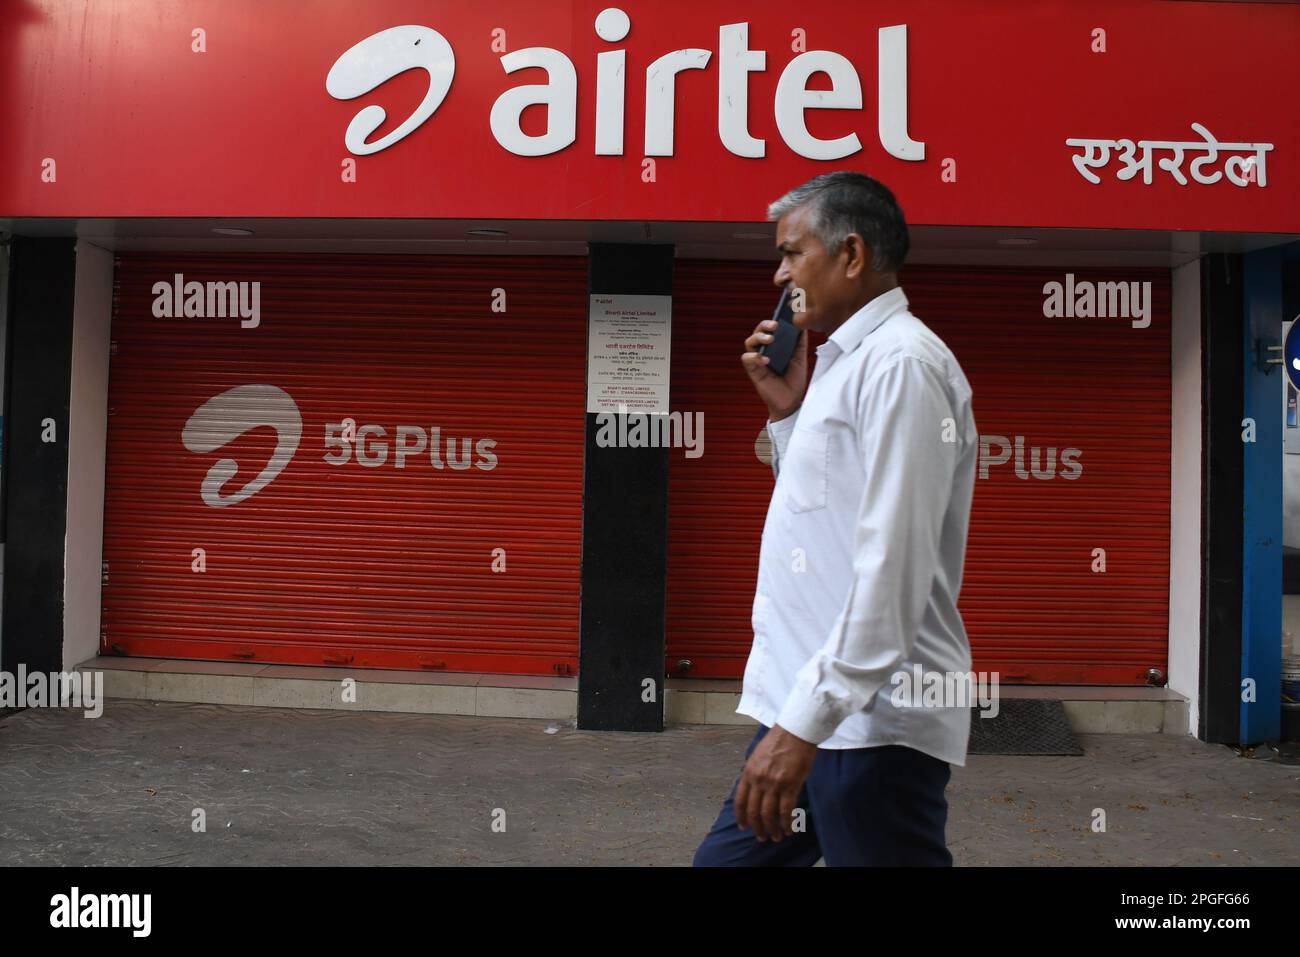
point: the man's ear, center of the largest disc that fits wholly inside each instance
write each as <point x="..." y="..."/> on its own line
<point x="858" y="255"/>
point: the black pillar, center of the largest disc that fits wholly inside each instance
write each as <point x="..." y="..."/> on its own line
<point x="624" y="540"/>
<point x="1222" y="501"/>
<point x="42" y="277"/>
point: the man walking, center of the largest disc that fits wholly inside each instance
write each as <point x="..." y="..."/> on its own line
<point x="861" y="556"/>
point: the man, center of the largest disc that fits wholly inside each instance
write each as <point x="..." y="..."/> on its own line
<point x="861" y="556"/>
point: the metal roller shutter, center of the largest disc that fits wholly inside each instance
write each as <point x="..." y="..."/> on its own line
<point x="716" y="502"/>
<point x="354" y="554"/>
<point x="1035" y="609"/>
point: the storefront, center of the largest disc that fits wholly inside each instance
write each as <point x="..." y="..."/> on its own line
<point x="393" y="500"/>
<point x="1042" y="605"/>
<point x="335" y="401"/>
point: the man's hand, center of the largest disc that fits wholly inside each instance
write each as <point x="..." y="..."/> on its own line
<point x="782" y="394"/>
<point x="770" y="784"/>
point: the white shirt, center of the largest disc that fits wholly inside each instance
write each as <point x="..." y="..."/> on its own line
<point x="862" y="551"/>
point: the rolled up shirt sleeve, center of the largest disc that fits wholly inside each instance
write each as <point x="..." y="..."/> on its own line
<point x="779" y="433"/>
<point x="909" y="454"/>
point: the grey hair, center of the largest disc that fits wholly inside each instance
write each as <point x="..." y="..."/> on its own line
<point x="845" y="202"/>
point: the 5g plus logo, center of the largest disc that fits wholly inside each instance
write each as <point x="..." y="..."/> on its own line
<point x="369" y="445"/>
<point x="224" y="418"/>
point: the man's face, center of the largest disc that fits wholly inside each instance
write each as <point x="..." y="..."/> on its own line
<point x="805" y="264"/>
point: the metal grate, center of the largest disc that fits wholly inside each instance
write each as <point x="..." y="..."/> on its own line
<point x="1023" y="726"/>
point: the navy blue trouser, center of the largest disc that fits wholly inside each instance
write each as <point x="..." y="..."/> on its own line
<point x="863" y="807"/>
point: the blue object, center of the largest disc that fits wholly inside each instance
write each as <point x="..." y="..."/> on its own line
<point x="1262" y="531"/>
<point x="1291" y="353"/>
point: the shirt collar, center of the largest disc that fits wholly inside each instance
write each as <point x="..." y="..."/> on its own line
<point x="863" y="322"/>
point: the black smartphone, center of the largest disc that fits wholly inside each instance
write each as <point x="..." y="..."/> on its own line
<point x="781" y="349"/>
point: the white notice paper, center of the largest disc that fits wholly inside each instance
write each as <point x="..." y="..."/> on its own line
<point x="628" y="350"/>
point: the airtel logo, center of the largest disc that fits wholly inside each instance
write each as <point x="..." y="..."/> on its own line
<point x="379" y="58"/>
<point x="226" y="417"/>
<point x="382" y="56"/>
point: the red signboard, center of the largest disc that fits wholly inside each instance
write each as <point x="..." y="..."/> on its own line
<point x="1115" y="113"/>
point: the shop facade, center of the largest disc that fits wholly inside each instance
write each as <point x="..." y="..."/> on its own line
<point x="332" y="393"/>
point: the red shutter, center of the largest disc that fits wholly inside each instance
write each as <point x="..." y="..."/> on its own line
<point x="1034" y="608"/>
<point x="366" y="565"/>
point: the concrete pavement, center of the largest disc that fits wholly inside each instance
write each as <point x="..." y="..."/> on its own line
<point x="279" y="786"/>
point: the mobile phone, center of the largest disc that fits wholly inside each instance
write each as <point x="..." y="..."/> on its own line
<point x="781" y="349"/>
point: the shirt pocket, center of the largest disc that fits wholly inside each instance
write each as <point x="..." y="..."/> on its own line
<point x="806" y="470"/>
